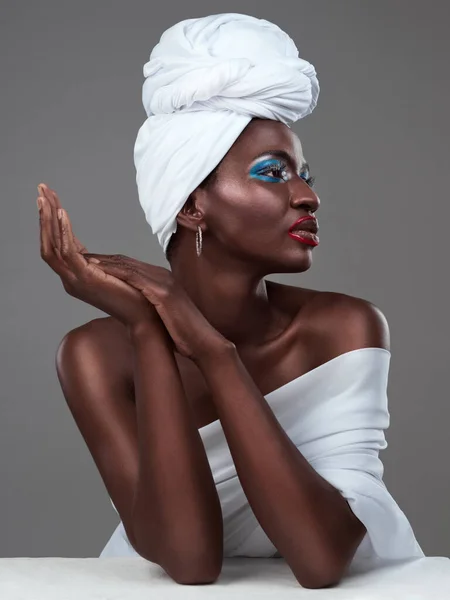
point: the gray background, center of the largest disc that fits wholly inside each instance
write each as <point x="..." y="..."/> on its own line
<point x="378" y="145"/>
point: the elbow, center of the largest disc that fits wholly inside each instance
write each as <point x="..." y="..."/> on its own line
<point x="188" y="571"/>
<point x="318" y="585"/>
<point x="333" y="563"/>
<point x="323" y="574"/>
<point x="185" y="574"/>
<point x="188" y="577"/>
<point x="198" y="567"/>
<point x="191" y="572"/>
<point x="319" y="582"/>
<point x="325" y="579"/>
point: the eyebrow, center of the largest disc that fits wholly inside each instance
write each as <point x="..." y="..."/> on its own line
<point x="282" y="154"/>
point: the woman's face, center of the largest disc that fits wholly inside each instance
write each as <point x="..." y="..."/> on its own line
<point x="251" y="205"/>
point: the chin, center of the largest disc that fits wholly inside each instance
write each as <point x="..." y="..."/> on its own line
<point x="293" y="262"/>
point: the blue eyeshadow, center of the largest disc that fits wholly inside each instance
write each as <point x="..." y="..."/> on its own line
<point x="265" y="163"/>
<point x="256" y="169"/>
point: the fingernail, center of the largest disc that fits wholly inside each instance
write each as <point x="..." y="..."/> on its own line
<point x="60" y="213"/>
<point x="39" y="204"/>
<point x="94" y="260"/>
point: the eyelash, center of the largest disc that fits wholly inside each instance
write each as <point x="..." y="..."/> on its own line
<point x="310" y="181"/>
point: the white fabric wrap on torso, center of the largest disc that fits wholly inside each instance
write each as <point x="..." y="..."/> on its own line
<point x="335" y="415"/>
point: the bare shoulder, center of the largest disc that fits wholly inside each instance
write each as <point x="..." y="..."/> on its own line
<point x="100" y="341"/>
<point x="333" y="321"/>
<point x="352" y="322"/>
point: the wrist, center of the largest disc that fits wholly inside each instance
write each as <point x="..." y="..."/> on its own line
<point x="214" y="351"/>
<point x="145" y="329"/>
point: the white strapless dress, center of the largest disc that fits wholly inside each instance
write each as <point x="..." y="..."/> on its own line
<point x="336" y="415"/>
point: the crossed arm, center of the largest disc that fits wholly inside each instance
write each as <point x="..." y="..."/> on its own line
<point x="307" y="519"/>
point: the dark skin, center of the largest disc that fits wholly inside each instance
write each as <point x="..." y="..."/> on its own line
<point x="172" y="354"/>
<point x="244" y="223"/>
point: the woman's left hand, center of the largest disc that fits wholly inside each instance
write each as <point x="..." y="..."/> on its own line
<point x="193" y="336"/>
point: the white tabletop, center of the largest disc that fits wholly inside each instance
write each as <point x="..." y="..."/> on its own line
<point x="244" y="578"/>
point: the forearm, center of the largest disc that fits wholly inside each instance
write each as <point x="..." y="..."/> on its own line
<point x="176" y="514"/>
<point x="306" y="518"/>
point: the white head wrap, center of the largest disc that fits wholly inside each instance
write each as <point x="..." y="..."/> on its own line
<point x="206" y="79"/>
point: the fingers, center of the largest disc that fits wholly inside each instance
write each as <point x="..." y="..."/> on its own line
<point x="126" y="267"/>
<point x="155" y="283"/>
<point x="103" y="257"/>
<point x="47" y="246"/>
<point x="123" y="267"/>
<point x="53" y="207"/>
<point x="129" y="270"/>
<point x="56" y="200"/>
<point x="57" y="245"/>
<point x="69" y="252"/>
<point x="126" y="274"/>
<point x="44" y="227"/>
<point x="124" y="261"/>
<point x="121" y="270"/>
<point x="79" y="247"/>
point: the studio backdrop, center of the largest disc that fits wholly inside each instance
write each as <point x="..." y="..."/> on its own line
<point x="377" y="143"/>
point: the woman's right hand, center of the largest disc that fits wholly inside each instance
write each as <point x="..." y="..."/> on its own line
<point x="81" y="278"/>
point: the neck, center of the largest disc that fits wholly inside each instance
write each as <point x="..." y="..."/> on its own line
<point x="234" y="301"/>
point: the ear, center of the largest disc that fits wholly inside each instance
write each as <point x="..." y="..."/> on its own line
<point x="193" y="212"/>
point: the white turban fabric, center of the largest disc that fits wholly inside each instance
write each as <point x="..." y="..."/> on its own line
<point x="206" y="79"/>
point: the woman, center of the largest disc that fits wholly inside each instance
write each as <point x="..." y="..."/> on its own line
<point x="169" y="390"/>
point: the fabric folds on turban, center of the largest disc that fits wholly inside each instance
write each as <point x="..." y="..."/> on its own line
<point x="206" y="79"/>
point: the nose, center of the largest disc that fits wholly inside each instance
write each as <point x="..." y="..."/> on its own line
<point x="302" y="195"/>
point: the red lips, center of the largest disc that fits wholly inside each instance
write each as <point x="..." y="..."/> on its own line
<point x="308" y="223"/>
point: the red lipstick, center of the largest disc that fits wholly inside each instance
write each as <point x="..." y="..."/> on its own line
<point x="305" y="230"/>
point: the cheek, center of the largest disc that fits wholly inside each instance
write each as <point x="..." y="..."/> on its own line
<point x="246" y="206"/>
